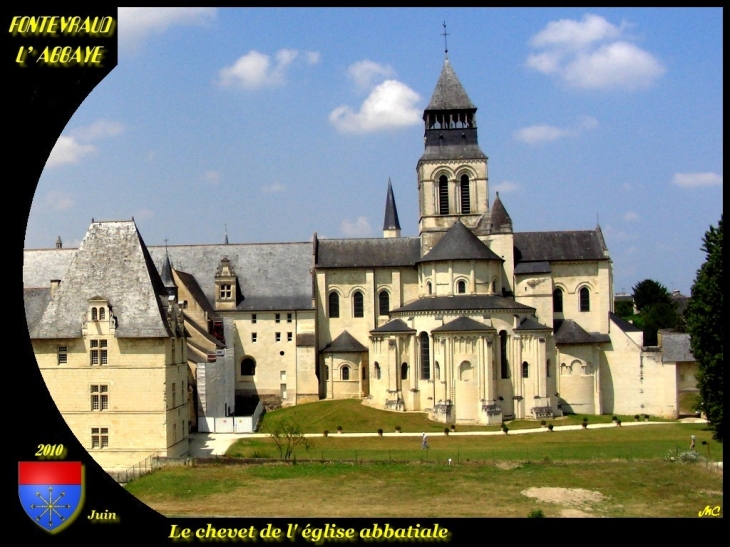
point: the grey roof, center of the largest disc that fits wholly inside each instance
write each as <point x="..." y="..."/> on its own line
<point x="35" y="301"/>
<point x="369" y="252"/>
<point x="397" y="325"/>
<point x="500" y="219"/>
<point x="676" y="348"/>
<point x="271" y="276"/>
<point x="569" y="332"/>
<point x="42" y="265"/>
<point x="524" y="268"/>
<point x="112" y="262"/>
<point x="530" y="324"/>
<point x="344" y="343"/>
<point x="191" y="284"/>
<point x="166" y="272"/>
<point x="556" y="246"/>
<point x="463" y="303"/>
<point x="462" y="324"/>
<point x="391" y="221"/>
<point x="449" y="94"/>
<point x="460" y="243"/>
<point x="621" y="323"/>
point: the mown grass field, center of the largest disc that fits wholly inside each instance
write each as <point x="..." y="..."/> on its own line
<point x="610" y="472"/>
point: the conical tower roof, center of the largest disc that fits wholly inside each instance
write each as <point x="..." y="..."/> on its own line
<point x="500" y="219"/>
<point x="391" y="221"/>
<point x="459" y="243"/>
<point x="449" y="93"/>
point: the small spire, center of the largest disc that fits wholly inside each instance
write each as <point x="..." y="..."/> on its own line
<point x="225" y="226"/>
<point x="446" y="47"/>
<point x="391" y="224"/>
<point x="59" y="243"/>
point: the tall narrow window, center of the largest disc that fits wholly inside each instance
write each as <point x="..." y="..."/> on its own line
<point x="425" y="356"/>
<point x="465" y="200"/>
<point x="99" y="352"/>
<point x="404" y="371"/>
<point x="345" y="372"/>
<point x="443" y="195"/>
<point x="558" y="301"/>
<point x="525" y="370"/>
<point x="357" y="305"/>
<point x="93" y="314"/>
<point x="461" y="287"/>
<point x="62" y="355"/>
<point x="429" y="287"/>
<point x="376" y="366"/>
<point x="585" y="299"/>
<point x="383" y="303"/>
<point x="503" y="354"/>
<point x="334" y="304"/>
<point x="102" y="314"/>
<point x="277" y="318"/>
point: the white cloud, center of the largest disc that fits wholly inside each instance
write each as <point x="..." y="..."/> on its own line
<point x="274" y="188"/>
<point x="541" y="133"/>
<point x="364" y="72"/>
<point x="255" y="69"/>
<point x="630" y="216"/>
<point x="100" y="129"/>
<point x="135" y="24"/>
<point x="59" y="201"/>
<point x="593" y="54"/>
<point x="360" y="228"/>
<point x="693" y="180"/>
<point x="68" y="150"/>
<point x="214" y="177"/>
<point x="391" y="104"/>
<point x="506" y="186"/>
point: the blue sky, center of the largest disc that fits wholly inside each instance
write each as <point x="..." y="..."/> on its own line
<point x="274" y="124"/>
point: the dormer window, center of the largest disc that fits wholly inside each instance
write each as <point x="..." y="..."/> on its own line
<point x="225" y="291"/>
<point x="102" y="314"/>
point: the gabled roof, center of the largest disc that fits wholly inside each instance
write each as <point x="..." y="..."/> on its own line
<point x="449" y="94"/>
<point x="463" y="324"/>
<point x="476" y="303"/>
<point x="557" y="246"/>
<point x="191" y="284"/>
<point x="460" y="243"/>
<point x="391" y="221"/>
<point x="676" y="348"/>
<point x="397" y="325"/>
<point x="113" y="262"/>
<point x="621" y="323"/>
<point x="569" y="332"/>
<point x="344" y="343"/>
<point x="531" y="324"/>
<point x="35" y="301"/>
<point x="368" y="252"/>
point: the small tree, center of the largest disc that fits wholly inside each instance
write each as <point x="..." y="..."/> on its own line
<point x="656" y="309"/>
<point x="704" y="320"/>
<point x="287" y="435"/>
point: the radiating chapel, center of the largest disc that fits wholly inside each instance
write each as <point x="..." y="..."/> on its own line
<point x="471" y="322"/>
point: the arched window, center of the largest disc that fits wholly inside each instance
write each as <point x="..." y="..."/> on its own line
<point x="461" y="287"/>
<point x="585" y="299"/>
<point x="436" y="371"/>
<point x="326" y="372"/>
<point x="425" y="356"/>
<point x="429" y="288"/>
<point x="345" y="372"/>
<point x="102" y="313"/>
<point x="248" y="367"/>
<point x="443" y="195"/>
<point x="465" y="202"/>
<point x="357" y="305"/>
<point x="404" y="371"/>
<point x="525" y="369"/>
<point x="494" y="285"/>
<point x="558" y="301"/>
<point x="503" y="354"/>
<point x="383" y="303"/>
<point x="93" y="314"/>
<point x="364" y="373"/>
<point x="466" y="371"/>
<point x="334" y="304"/>
<point x="376" y="368"/>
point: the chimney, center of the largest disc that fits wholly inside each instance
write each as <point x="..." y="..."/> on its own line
<point x="54" y="285"/>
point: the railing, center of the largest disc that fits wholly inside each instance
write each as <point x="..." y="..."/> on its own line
<point x="149" y="464"/>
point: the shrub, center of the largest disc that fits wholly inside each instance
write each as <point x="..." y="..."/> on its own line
<point x="505" y="429"/>
<point x="339" y="429"/>
<point x="453" y="427"/>
<point x="536" y="514"/>
<point x="325" y="433"/>
<point x="688" y="456"/>
<point x="618" y="423"/>
<point x="550" y="427"/>
<point x="585" y="423"/>
<point x="543" y="423"/>
<point x="636" y="417"/>
<point x="397" y="429"/>
<point x="446" y="430"/>
<point x="380" y="432"/>
<point x="615" y="418"/>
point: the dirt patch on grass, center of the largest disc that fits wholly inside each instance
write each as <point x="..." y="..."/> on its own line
<point x="507" y="466"/>
<point x="576" y="500"/>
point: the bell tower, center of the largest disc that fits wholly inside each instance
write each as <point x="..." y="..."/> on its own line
<point x="452" y="172"/>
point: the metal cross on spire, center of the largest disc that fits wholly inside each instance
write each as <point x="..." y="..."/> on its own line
<point x="446" y="47"/>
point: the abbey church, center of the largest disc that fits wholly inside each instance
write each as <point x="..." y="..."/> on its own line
<point x="471" y="322"/>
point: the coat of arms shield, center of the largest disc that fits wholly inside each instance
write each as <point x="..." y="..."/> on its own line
<point x="51" y="492"/>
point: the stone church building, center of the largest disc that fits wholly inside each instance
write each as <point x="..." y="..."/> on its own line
<point x="471" y="321"/>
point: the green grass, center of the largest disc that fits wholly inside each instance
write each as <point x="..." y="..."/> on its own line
<point x="354" y="417"/>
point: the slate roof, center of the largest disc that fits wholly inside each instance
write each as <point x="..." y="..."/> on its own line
<point x="463" y="324"/>
<point x="271" y="276"/>
<point x="556" y="246"/>
<point x="460" y="243"/>
<point x="449" y="94"/>
<point x="676" y="348"/>
<point x="530" y="324"/>
<point x="344" y="343"/>
<point x="368" y="252"/>
<point x="463" y="303"/>
<point x="35" y="301"/>
<point x="42" y="265"/>
<point x="621" y="323"/>
<point x="391" y="221"/>
<point x="113" y="262"/>
<point x="526" y="268"/>
<point x="397" y="325"/>
<point x="500" y="219"/>
<point x="569" y="332"/>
